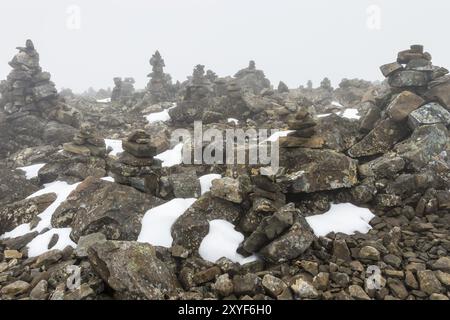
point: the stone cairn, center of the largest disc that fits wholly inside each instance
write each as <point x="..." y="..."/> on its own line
<point x="197" y="98"/>
<point x="160" y="84"/>
<point x="136" y="166"/>
<point x="27" y="88"/>
<point x="251" y="79"/>
<point x="86" y="143"/>
<point x="123" y="90"/>
<point x="304" y="128"/>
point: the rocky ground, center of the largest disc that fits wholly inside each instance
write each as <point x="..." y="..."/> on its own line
<point x="95" y="204"/>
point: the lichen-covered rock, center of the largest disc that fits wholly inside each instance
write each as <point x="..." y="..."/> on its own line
<point x="133" y="270"/>
<point x="380" y="140"/>
<point x="191" y="227"/>
<point x="101" y="206"/>
<point x="316" y="170"/>
<point x="425" y="143"/>
<point x="23" y="211"/>
<point x="403" y="104"/>
<point x="431" y="113"/>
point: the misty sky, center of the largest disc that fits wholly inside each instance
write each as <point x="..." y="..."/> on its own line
<point x="291" y="40"/>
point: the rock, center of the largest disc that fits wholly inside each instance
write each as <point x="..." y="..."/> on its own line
<point x="408" y="78"/>
<point x="290" y="245"/>
<point x="84" y="292"/>
<point x="271" y="227"/>
<point x="185" y="185"/>
<point x="23" y="211"/>
<point x="282" y="87"/>
<point x="304" y="290"/>
<point x="16" y="288"/>
<point x="12" y="254"/>
<point x="380" y="140"/>
<point x="273" y="286"/>
<point x="85" y="242"/>
<point x="428" y="282"/>
<point x="233" y="190"/>
<point x="431" y="113"/>
<point x="316" y="170"/>
<point x="425" y="143"/>
<point x="248" y="284"/>
<point x="101" y="206"/>
<point x="370" y="118"/>
<point x="39" y="292"/>
<point x="443" y="264"/>
<point x="440" y="93"/>
<point x="321" y="281"/>
<point x="341" y="251"/>
<point x="223" y="285"/>
<point x="437" y="296"/>
<point x="132" y="270"/>
<point x="443" y="277"/>
<point x="386" y="166"/>
<point x="207" y="275"/>
<point x="48" y="258"/>
<point x="369" y="253"/>
<point x="357" y="293"/>
<point x="192" y="226"/>
<point x="403" y="104"/>
<point x="390" y="68"/>
<point x="14" y="186"/>
<point x="397" y="288"/>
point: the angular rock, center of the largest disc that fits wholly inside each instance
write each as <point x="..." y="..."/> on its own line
<point x="101" y="206"/>
<point x="230" y="189"/>
<point x="431" y="113"/>
<point x="403" y="104"/>
<point x="317" y="170"/>
<point x="380" y="140"/>
<point x="133" y="270"/>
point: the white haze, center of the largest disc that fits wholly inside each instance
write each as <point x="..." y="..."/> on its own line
<point x="291" y="40"/>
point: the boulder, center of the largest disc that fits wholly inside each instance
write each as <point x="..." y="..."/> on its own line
<point x="380" y="140"/>
<point x="23" y="211"/>
<point x="403" y="104"/>
<point x="234" y="190"/>
<point x="313" y="170"/>
<point x="431" y="113"/>
<point x="191" y="227"/>
<point x="101" y="206"/>
<point x="133" y="270"/>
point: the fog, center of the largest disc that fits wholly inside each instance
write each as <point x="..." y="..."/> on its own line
<point x="87" y="43"/>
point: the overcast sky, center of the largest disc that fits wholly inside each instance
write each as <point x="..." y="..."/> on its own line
<point x="291" y="40"/>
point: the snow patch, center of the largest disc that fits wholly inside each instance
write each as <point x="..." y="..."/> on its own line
<point x="32" y="171"/>
<point x="39" y="245"/>
<point x="158" y="116"/>
<point x="274" y="137"/>
<point x="323" y="115"/>
<point x="351" y="114"/>
<point x="344" y="218"/>
<point x="157" y="222"/>
<point x="337" y="104"/>
<point x="206" y="181"/>
<point x="107" y="100"/>
<point x="233" y="120"/>
<point x="223" y="241"/>
<point x="62" y="190"/>
<point x="116" y="146"/>
<point x="109" y="179"/>
<point x="171" y="157"/>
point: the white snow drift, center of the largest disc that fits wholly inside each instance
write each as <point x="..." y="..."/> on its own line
<point x="32" y="171"/>
<point x="344" y="218"/>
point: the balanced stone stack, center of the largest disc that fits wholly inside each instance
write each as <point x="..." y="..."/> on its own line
<point x="136" y="166"/>
<point x="415" y="98"/>
<point x="83" y="157"/>
<point x="304" y="128"/>
<point x="160" y="85"/>
<point x="27" y="88"/>
<point x="86" y="143"/>
<point x="197" y="98"/>
<point x="251" y="79"/>
<point x="123" y="90"/>
<point x="31" y="107"/>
